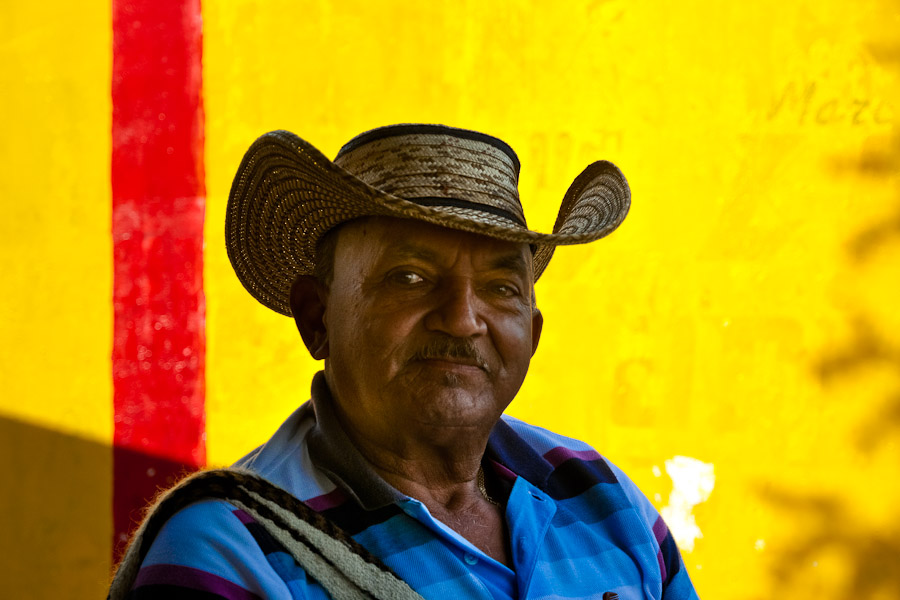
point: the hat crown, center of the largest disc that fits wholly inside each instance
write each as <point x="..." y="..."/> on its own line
<point x="435" y="165"/>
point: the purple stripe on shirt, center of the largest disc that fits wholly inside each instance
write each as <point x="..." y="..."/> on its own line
<point x="242" y="516"/>
<point x="503" y="472"/>
<point x="336" y="497"/>
<point x="559" y="455"/>
<point x="660" y="530"/>
<point x="662" y="565"/>
<point x="193" y="579"/>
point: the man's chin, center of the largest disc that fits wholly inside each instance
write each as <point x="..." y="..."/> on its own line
<point x="452" y="379"/>
<point x="448" y="397"/>
<point x="449" y="374"/>
<point x="452" y="404"/>
<point x="452" y="388"/>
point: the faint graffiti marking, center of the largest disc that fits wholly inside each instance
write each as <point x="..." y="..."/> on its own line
<point x="808" y="105"/>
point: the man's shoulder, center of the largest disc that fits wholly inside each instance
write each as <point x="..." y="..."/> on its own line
<point x="230" y="543"/>
<point x="191" y="531"/>
<point x="543" y="440"/>
<point x="592" y="486"/>
<point x="287" y="438"/>
<point x="558" y="449"/>
<point x="208" y="546"/>
<point x="284" y="459"/>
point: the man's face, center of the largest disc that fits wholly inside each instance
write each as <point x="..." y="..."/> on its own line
<point x="429" y="329"/>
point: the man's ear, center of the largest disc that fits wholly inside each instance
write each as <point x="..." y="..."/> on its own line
<point x="308" y="299"/>
<point x="537" y="325"/>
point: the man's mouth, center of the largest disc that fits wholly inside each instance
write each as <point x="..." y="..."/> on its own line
<point x="451" y="352"/>
<point x="453" y="361"/>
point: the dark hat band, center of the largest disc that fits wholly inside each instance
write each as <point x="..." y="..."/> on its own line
<point x="485" y="208"/>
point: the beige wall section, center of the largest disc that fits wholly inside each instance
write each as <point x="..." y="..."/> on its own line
<point x="744" y="316"/>
<point x="55" y="309"/>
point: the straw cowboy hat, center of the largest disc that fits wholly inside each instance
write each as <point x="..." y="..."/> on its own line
<point x="287" y="195"/>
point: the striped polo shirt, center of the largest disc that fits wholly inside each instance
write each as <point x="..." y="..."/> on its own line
<point x="578" y="527"/>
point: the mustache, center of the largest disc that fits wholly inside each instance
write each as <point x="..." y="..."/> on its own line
<point x="451" y="348"/>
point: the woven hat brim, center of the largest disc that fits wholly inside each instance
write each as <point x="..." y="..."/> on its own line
<point x="286" y="195"/>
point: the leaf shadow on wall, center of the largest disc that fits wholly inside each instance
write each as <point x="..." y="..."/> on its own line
<point x="865" y="553"/>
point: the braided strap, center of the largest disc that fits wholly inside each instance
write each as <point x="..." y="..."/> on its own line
<point x="327" y="553"/>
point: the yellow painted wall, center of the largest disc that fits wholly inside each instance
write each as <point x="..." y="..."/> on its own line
<point x="55" y="308"/>
<point x="744" y="316"/>
<point x="760" y="142"/>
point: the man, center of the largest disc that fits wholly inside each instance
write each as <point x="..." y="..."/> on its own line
<point x="408" y="267"/>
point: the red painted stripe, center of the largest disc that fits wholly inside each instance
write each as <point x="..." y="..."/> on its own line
<point x="157" y="225"/>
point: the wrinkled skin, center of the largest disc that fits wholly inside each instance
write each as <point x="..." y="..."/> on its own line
<point x="429" y="331"/>
<point x="427" y="334"/>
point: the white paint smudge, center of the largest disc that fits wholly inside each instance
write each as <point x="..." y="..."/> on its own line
<point x="692" y="483"/>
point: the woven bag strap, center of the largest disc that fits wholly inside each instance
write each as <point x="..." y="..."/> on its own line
<point x="327" y="553"/>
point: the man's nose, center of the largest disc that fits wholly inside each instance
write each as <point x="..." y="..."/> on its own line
<point x="457" y="312"/>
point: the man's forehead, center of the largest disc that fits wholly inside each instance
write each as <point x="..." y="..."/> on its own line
<point x="511" y="257"/>
<point x="406" y="238"/>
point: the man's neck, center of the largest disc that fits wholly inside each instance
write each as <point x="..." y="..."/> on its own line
<point x="442" y="468"/>
<point x="451" y="491"/>
<point x="442" y="476"/>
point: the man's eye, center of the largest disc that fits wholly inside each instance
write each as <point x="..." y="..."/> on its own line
<point x="405" y="278"/>
<point x="504" y="291"/>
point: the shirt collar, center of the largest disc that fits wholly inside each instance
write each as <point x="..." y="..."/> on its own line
<point x="333" y="453"/>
